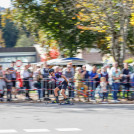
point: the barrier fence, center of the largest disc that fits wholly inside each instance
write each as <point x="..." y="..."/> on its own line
<point x="76" y="88"/>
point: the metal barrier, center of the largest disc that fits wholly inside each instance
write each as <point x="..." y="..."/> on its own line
<point x="87" y="90"/>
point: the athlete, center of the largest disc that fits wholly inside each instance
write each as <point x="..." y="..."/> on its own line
<point x="61" y="83"/>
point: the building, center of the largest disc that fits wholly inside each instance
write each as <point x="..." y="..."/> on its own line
<point x="25" y="54"/>
<point x="94" y="57"/>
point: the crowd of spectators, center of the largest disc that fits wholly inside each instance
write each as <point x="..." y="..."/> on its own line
<point x="96" y="83"/>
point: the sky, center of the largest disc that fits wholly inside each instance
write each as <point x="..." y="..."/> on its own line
<point x="5" y="3"/>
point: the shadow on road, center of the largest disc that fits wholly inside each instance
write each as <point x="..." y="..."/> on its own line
<point x="80" y="107"/>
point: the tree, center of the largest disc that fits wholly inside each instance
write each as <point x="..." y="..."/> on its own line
<point x="2" y="42"/>
<point x="130" y="40"/>
<point x="24" y="41"/>
<point x="10" y="31"/>
<point x="57" y="19"/>
<point x="111" y="17"/>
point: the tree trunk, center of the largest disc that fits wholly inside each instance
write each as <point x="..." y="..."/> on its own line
<point x="118" y="50"/>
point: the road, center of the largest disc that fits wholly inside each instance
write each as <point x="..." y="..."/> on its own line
<point x="39" y="118"/>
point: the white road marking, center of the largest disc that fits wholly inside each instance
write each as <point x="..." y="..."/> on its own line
<point x="68" y="129"/>
<point x="8" y="131"/>
<point x="36" y="130"/>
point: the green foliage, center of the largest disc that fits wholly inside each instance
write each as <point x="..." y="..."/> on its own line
<point x="24" y="41"/>
<point x="2" y="42"/>
<point x="10" y="33"/>
<point x="111" y="17"/>
<point x="130" y="39"/>
<point x="58" y="19"/>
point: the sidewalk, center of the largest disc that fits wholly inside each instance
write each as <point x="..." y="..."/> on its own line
<point x="21" y="99"/>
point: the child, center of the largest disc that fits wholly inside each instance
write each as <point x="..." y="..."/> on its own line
<point x="8" y="78"/>
<point x="61" y="84"/>
<point x="103" y="85"/>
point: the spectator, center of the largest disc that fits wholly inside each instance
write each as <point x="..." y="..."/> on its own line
<point x="19" y="79"/>
<point x="14" y="75"/>
<point x="37" y="70"/>
<point x="45" y="73"/>
<point x="132" y="80"/>
<point x="31" y="80"/>
<point x="29" y="66"/>
<point x="9" y="84"/>
<point x="107" y="68"/>
<point x="126" y="79"/>
<point x="37" y="85"/>
<point x="104" y="73"/>
<point x="2" y="83"/>
<point x="98" y="78"/>
<point x="72" y="69"/>
<point x="60" y="70"/>
<point x="26" y="76"/>
<point x="103" y="86"/>
<point x="116" y="84"/>
<point x="57" y="70"/>
<point x="78" y="82"/>
<point x="93" y="75"/>
<point x="114" y="68"/>
<point x="45" y="70"/>
<point x="85" y="74"/>
<point x="70" y="77"/>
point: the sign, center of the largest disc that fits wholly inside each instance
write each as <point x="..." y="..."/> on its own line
<point x="18" y="63"/>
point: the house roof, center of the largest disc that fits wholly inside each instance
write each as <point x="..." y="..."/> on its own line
<point x="96" y="57"/>
<point x="92" y="57"/>
<point x="18" y="49"/>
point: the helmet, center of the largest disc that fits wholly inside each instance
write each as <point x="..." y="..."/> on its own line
<point x="51" y="71"/>
<point x="57" y="75"/>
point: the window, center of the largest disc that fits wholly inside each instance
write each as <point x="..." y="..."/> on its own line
<point x="22" y="58"/>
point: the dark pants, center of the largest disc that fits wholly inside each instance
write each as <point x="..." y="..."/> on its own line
<point x="27" y="86"/>
<point x="71" y="90"/>
<point x="1" y="95"/>
<point x="9" y="95"/>
<point x="39" y="93"/>
<point x="105" y="95"/>
<point x="46" y="88"/>
<point x="14" y="82"/>
<point x="93" y="87"/>
<point x="125" y="90"/>
<point x="9" y="92"/>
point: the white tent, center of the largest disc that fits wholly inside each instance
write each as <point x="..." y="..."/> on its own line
<point x="65" y="61"/>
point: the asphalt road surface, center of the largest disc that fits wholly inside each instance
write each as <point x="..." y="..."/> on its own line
<point x="39" y="118"/>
